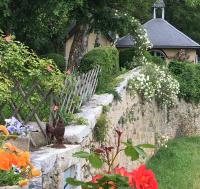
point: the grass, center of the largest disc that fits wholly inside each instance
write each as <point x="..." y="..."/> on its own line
<point x="178" y="166"/>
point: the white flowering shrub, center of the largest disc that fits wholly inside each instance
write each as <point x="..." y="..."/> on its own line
<point x="155" y="82"/>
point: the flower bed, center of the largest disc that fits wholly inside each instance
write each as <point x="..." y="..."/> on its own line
<point x="15" y="166"/>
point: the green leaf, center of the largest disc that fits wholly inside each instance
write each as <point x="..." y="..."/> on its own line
<point x="74" y="182"/>
<point x="146" y="145"/>
<point x="95" y="161"/>
<point x="81" y="154"/>
<point x="131" y="151"/>
<point x="140" y="151"/>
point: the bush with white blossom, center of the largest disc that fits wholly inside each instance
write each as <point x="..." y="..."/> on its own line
<point x="154" y="82"/>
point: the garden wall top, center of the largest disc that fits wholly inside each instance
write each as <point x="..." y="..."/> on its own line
<point x="91" y="111"/>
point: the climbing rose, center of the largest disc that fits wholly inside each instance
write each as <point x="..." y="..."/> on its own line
<point x="144" y="179"/>
<point x="122" y="171"/>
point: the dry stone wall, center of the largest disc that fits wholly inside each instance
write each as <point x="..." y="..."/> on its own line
<point x="138" y="120"/>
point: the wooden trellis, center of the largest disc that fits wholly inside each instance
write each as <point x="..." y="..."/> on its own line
<point x="74" y="94"/>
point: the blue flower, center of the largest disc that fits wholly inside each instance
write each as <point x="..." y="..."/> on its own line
<point x="11" y="129"/>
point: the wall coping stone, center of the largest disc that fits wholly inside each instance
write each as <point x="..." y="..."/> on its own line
<point x="91" y="111"/>
<point x="46" y="158"/>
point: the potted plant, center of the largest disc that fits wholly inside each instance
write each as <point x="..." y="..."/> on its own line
<point x="21" y="131"/>
<point x="116" y="177"/>
<point x="15" y="166"/>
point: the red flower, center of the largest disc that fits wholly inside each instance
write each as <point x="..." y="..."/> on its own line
<point x="96" y="178"/>
<point x="120" y="171"/>
<point x="144" y="179"/>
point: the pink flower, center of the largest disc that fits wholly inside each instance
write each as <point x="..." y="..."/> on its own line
<point x="50" y="68"/>
<point x="8" y="38"/>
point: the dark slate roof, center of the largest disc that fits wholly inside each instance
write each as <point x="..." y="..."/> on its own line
<point x="125" y="42"/>
<point x="163" y="35"/>
<point x="159" y="4"/>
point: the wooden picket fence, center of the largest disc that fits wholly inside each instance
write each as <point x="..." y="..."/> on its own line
<point x="75" y="93"/>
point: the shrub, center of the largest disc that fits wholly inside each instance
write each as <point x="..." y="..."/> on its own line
<point x="58" y="59"/>
<point x="188" y="76"/>
<point x="157" y="60"/>
<point x="155" y="82"/>
<point x="100" y="129"/>
<point x="126" y="58"/>
<point x="108" y="59"/>
<point x="22" y="67"/>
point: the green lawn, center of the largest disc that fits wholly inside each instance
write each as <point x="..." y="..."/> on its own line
<point x="178" y="166"/>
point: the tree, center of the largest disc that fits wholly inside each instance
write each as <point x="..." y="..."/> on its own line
<point x="40" y="24"/>
<point x="43" y="25"/>
<point x="36" y="25"/>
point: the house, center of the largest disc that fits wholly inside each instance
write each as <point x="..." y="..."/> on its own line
<point x="168" y="42"/>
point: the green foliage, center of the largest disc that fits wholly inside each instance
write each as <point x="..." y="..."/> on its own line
<point x="100" y="129"/>
<point x="108" y="60"/>
<point x="94" y="158"/>
<point x="177" y="165"/>
<point x="156" y="60"/>
<point x="19" y="65"/>
<point x="104" y="182"/>
<point x="126" y="58"/>
<point x="188" y="76"/>
<point x="9" y="178"/>
<point x="58" y="59"/>
<point x="136" y="151"/>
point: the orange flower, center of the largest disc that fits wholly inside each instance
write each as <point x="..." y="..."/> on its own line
<point x="35" y="172"/>
<point x="13" y="158"/>
<point x="12" y="148"/>
<point x="23" y="159"/>
<point x="5" y="163"/>
<point x="4" y="130"/>
<point x="23" y="182"/>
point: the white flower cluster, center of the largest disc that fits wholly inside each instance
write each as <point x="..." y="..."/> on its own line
<point x="161" y="140"/>
<point x="155" y="82"/>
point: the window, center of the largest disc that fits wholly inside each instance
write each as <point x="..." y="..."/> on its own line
<point x="158" y="53"/>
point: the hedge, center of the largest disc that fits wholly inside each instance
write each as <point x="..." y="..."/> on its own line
<point x="108" y="59"/>
<point x="188" y="75"/>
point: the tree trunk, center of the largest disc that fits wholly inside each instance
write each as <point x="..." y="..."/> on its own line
<point x="78" y="48"/>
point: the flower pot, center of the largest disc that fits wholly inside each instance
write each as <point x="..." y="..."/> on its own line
<point x="22" y="143"/>
<point x="14" y="187"/>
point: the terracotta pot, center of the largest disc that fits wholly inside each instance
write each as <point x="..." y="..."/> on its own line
<point x="22" y="143"/>
<point x="14" y="187"/>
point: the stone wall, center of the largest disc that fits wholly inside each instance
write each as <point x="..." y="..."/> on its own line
<point x="139" y="121"/>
